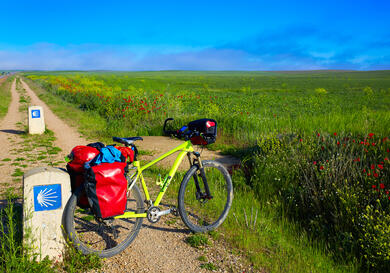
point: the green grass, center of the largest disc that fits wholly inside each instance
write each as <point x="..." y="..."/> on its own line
<point x="5" y="96"/>
<point x="209" y="266"/>
<point x="246" y="105"/>
<point x="198" y="240"/>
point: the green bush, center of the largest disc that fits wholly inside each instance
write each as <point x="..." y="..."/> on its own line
<point x="337" y="187"/>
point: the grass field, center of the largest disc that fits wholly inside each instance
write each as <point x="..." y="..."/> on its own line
<point x="314" y="147"/>
<point x="5" y="95"/>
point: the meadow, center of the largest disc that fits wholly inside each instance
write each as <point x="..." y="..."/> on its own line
<point x="314" y="147"/>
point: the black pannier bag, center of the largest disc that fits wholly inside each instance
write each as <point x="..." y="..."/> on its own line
<point x="106" y="187"/>
<point x="207" y="128"/>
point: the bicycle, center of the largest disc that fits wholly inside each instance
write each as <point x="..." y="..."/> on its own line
<point x="204" y="199"/>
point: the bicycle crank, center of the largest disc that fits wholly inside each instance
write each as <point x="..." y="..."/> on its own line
<point x="154" y="214"/>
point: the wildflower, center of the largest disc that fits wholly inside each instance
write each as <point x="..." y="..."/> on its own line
<point x="322" y="148"/>
<point x="318" y="134"/>
<point x="375" y="175"/>
<point x="373" y="186"/>
<point x="373" y="144"/>
<point x="315" y="162"/>
<point x="380" y="166"/>
<point x="335" y="133"/>
<point x="386" y="159"/>
<point x="338" y="142"/>
<point x="382" y="186"/>
<point x="387" y="192"/>
<point x="370" y="135"/>
<point x="300" y="140"/>
<point x="321" y="167"/>
<point x="364" y="170"/>
<point x="372" y="166"/>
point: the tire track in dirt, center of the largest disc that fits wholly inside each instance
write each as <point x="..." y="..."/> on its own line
<point x="8" y="135"/>
<point x="159" y="247"/>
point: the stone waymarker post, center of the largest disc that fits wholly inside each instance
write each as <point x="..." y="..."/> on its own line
<point x="46" y="191"/>
<point x="36" y="121"/>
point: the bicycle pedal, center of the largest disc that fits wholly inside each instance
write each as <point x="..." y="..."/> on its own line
<point x="174" y="211"/>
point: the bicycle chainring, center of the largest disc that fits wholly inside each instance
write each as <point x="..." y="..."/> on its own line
<point x="152" y="214"/>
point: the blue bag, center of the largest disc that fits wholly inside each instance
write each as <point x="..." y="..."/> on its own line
<point x="108" y="154"/>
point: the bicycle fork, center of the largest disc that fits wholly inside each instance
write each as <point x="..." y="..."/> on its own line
<point x="199" y="194"/>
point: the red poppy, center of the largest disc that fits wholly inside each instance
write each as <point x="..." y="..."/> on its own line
<point x="380" y="166"/>
<point x="373" y="144"/>
<point x="373" y="186"/>
<point x="372" y="166"/>
<point x="315" y="162"/>
<point x="370" y="135"/>
<point x="338" y="142"/>
<point x="300" y="140"/>
<point x="382" y="186"/>
<point x="375" y="175"/>
<point x="322" y="167"/>
<point x="318" y="134"/>
<point x="335" y="134"/>
<point x="386" y="158"/>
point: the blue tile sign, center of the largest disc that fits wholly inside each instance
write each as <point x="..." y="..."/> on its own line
<point x="35" y="113"/>
<point x="47" y="197"/>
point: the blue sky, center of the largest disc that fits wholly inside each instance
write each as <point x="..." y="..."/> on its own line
<point x="195" y="35"/>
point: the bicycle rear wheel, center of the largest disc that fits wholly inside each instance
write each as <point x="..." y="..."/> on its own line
<point x="199" y="212"/>
<point x="108" y="237"/>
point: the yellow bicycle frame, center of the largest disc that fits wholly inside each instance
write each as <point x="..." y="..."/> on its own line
<point x="184" y="148"/>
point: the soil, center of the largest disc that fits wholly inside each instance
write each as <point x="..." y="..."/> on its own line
<point x="159" y="247"/>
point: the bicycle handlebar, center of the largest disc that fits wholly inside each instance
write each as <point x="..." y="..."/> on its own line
<point x="187" y="134"/>
<point x="169" y="132"/>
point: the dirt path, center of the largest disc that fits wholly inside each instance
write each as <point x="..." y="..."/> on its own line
<point x="158" y="248"/>
<point x="67" y="137"/>
<point x="8" y="136"/>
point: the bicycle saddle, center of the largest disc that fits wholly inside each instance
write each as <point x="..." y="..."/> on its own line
<point x="126" y="140"/>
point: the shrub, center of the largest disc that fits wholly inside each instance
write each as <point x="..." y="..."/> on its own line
<point x="321" y="91"/>
<point x="335" y="186"/>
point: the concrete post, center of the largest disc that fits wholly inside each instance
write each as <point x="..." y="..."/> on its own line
<point x="46" y="191"/>
<point x="36" y="121"/>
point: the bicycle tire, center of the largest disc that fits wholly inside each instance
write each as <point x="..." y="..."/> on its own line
<point x="197" y="214"/>
<point x="90" y="236"/>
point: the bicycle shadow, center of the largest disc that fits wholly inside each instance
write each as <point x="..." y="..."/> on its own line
<point x="155" y="226"/>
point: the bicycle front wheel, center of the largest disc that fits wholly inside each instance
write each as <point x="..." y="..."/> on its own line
<point x="107" y="237"/>
<point x="198" y="211"/>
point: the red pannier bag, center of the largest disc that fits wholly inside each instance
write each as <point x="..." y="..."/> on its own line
<point x="106" y="187"/>
<point x="78" y="156"/>
<point x="127" y="152"/>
